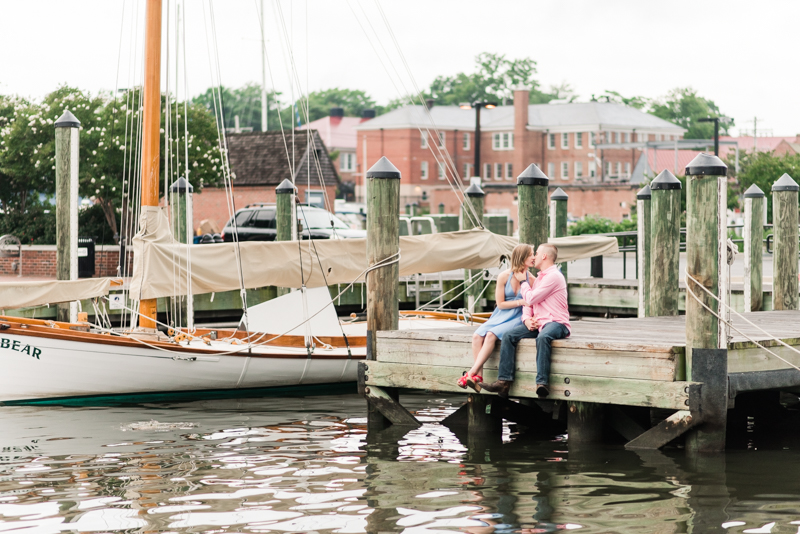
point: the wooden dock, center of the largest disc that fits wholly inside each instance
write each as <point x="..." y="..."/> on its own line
<point x="623" y="362"/>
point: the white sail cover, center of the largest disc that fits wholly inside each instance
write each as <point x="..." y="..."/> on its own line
<point x="160" y="263"/>
<point x="40" y="292"/>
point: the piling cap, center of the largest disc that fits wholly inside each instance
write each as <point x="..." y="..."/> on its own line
<point x="754" y="192"/>
<point x="383" y="169"/>
<point x="785" y="183"/>
<point x="533" y="175"/>
<point x="559" y="194"/>
<point x="644" y="193"/>
<point x="67" y="120"/>
<point x="181" y="186"/>
<point x="706" y="165"/>
<point x="665" y="180"/>
<point x="285" y="187"/>
<point x="474" y="190"/>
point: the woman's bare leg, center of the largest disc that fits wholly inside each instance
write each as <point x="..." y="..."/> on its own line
<point x="483" y="354"/>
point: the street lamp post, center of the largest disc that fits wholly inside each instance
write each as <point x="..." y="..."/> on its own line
<point x="716" y="121"/>
<point x="477" y="107"/>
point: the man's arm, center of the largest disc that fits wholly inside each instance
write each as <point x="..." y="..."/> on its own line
<point x="543" y="289"/>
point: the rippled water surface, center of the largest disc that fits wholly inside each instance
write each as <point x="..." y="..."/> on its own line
<point x="306" y="465"/>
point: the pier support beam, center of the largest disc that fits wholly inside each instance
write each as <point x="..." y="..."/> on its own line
<point x="284" y="217"/>
<point x="67" y="143"/>
<point x="707" y="275"/>
<point x="585" y="422"/>
<point x="532" y="206"/>
<point x="472" y="217"/>
<point x="644" y="238"/>
<point x="383" y="282"/>
<point x="665" y="246"/>
<point x="784" y="226"/>
<point x="558" y="218"/>
<point x="754" y="211"/>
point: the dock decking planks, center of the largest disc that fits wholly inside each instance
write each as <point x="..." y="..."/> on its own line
<point x="617" y="361"/>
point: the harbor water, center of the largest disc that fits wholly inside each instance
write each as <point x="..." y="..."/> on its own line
<point x="305" y="464"/>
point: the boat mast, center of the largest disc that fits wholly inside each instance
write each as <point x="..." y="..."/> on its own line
<point x="151" y="130"/>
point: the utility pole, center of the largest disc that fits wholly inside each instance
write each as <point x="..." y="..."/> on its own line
<point x="263" y="73"/>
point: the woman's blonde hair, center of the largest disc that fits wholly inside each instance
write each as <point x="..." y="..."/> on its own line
<point x="518" y="257"/>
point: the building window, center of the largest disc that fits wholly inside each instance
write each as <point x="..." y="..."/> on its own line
<point x="465" y="142"/>
<point x="608" y="169"/>
<point x="551" y="170"/>
<point x="503" y="141"/>
<point x="441" y="139"/>
<point x="627" y="137"/>
<point x="423" y="170"/>
<point x="498" y="171"/>
<point x="441" y="170"/>
<point x="578" y="139"/>
<point x="564" y="140"/>
<point x="591" y="139"/>
<point x="467" y="170"/>
<point x="565" y="170"/>
<point x="616" y="137"/>
<point x="347" y="162"/>
<point x="628" y="170"/>
<point x="617" y="168"/>
<point x="487" y="171"/>
<point x="509" y="171"/>
<point x="658" y="137"/>
<point x="641" y="137"/>
<point x="423" y="142"/>
<point x="592" y="168"/>
<point x="551" y="141"/>
<point x="578" y="169"/>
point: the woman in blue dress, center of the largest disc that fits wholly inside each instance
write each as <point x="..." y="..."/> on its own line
<point x="505" y="316"/>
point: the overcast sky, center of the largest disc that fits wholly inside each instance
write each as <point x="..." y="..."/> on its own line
<point x="737" y="53"/>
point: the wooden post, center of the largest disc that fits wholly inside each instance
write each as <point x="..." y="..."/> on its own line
<point x="67" y="142"/>
<point x="181" y="211"/>
<point x="532" y="206"/>
<point x="665" y="245"/>
<point x="383" y="245"/>
<point x="784" y="226"/>
<point x="151" y="132"/>
<point x="707" y="267"/>
<point x="284" y="200"/>
<point x="585" y="423"/>
<point x="643" y="238"/>
<point x="558" y="218"/>
<point x="754" y="208"/>
<point x="472" y="217"/>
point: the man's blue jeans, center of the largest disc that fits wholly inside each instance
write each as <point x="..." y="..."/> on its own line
<point x="544" y="336"/>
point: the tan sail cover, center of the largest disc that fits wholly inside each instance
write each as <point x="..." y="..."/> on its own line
<point x="37" y="293"/>
<point x="160" y="263"/>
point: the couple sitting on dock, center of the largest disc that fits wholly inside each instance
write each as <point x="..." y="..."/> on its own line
<point x="527" y="307"/>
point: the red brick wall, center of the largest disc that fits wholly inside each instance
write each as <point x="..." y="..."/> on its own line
<point x="211" y="203"/>
<point x="40" y="261"/>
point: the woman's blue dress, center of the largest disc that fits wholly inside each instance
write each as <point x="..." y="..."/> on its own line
<point x="503" y="319"/>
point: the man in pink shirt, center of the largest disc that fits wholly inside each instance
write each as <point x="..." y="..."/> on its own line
<point x="545" y="317"/>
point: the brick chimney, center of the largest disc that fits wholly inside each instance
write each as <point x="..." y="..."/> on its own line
<point x="522" y="145"/>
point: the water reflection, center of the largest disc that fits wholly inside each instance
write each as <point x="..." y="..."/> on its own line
<point x="307" y="465"/>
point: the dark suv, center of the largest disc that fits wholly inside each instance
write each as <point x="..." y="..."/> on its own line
<point x="257" y="223"/>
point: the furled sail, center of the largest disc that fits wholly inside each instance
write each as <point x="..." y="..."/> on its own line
<point x="160" y="262"/>
<point x="40" y="292"/>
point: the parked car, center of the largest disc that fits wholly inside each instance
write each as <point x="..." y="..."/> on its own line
<point x="257" y="223"/>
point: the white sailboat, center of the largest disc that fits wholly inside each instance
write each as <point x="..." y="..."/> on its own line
<point x="48" y="361"/>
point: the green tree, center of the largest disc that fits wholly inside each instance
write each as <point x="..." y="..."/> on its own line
<point x="682" y="106"/>
<point x="764" y="169"/>
<point x="638" y="102"/>
<point x="244" y="102"/>
<point x="320" y="103"/>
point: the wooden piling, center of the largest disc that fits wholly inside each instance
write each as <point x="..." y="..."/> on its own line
<point x="180" y="204"/>
<point x="383" y="246"/>
<point x="67" y="144"/>
<point x="532" y="206"/>
<point x="665" y="245"/>
<point x="643" y="238"/>
<point x="585" y="422"/>
<point x="754" y="209"/>
<point x="784" y="226"/>
<point x="284" y="219"/>
<point x="472" y="217"/>
<point x="707" y="267"/>
<point x="558" y="218"/>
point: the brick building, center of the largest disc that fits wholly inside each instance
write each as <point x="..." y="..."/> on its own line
<point x="259" y="162"/>
<point x="430" y="145"/>
<point x="339" y="135"/>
